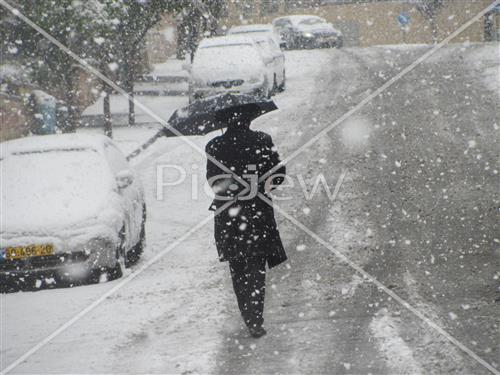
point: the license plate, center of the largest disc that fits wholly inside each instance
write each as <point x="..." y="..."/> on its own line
<point x="23" y="252"/>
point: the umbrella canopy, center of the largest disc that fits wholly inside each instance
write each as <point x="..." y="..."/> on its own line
<point x="207" y="115"/>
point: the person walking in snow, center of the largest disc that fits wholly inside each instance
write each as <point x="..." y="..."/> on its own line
<point x="246" y="234"/>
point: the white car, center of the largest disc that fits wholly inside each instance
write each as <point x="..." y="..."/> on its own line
<point x="248" y="30"/>
<point x="72" y="209"/>
<point x="307" y="31"/>
<point x="231" y="64"/>
<point x="273" y="56"/>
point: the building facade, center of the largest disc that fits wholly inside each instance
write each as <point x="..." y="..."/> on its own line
<point x="370" y="22"/>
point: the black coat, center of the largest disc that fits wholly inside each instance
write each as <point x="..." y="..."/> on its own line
<point x="246" y="227"/>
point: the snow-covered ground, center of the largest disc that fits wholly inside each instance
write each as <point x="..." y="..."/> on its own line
<point x="423" y="235"/>
<point x="169" y="319"/>
<point x="167" y="78"/>
<point x="160" y="105"/>
<point x="171" y="67"/>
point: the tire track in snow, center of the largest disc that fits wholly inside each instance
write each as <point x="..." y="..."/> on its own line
<point x="396" y="352"/>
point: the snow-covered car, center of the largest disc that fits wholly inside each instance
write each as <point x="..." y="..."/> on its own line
<point x="228" y="64"/>
<point x="72" y="209"/>
<point x="248" y="30"/>
<point x="305" y="31"/>
<point x="272" y="55"/>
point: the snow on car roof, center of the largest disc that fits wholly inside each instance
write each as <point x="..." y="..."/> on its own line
<point x="62" y="142"/>
<point x="261" y="27"/>
<point x="228" y="40"/>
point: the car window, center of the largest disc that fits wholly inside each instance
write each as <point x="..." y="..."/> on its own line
<point x="311" y="21"/>
<point x="282" y="23"/>
<point x="115" y="158"/>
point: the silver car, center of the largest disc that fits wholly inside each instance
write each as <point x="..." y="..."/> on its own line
<point x="228" y="64"/>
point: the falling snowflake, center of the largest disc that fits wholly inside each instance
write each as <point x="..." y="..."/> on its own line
<point x="113" y="66"/>
<point x="301" y="247"/>
<point x="99" y="40"/>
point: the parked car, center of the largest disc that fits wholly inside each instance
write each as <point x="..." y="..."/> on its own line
<point x="72" y="209"/>
<point x="248" y="30"/>
<point x="274" y="59"/>
<point x="273" y="56"/>
<point x="304" y="31"/>
<point x="228" y="64"/>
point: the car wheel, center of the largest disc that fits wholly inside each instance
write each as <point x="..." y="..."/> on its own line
<point x="282" y="86"/>
<point x="134" y="254"/>
<point x="275" y="85"/>
<point x="119" y="269"/>
<point x="264" y="91"/>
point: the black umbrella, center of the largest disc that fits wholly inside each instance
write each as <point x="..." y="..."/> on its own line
<point x="207" y="115"/>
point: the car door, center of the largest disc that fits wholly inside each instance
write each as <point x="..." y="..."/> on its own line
<point x="278" y="60"/>
<point x="267" y="57"/>
<point x="131" y="195"/>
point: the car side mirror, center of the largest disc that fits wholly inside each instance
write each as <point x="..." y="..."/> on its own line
<point x="124" y="179"/>
<point x="187" y="67"/>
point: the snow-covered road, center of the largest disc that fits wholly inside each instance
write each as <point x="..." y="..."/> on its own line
<point x="396" y="215"/>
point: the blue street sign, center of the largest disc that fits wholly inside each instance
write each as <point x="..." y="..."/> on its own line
<point x="404" y="19"/>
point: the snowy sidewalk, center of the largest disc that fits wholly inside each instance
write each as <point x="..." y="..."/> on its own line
<point x="163" y="90"/>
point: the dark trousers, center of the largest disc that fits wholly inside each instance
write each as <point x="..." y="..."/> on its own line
<point x="249" y="283"/>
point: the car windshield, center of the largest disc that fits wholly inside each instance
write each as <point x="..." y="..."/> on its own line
<point x="311" y="21"/>
<point x="52" y="187"/>
<point x="229" y="54"/>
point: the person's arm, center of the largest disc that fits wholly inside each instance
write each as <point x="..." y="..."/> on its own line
<point x="216" y="177"/>
<point x="272" y="160"/>
<point x="212" y="169"/>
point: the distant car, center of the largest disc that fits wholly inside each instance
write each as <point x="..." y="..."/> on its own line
<point x="304" y="31"/>
<point x="248" y="30"/>
<point x="72" y="209"/>
<point x="231" y="64"/>
<point x="273" y="56"/>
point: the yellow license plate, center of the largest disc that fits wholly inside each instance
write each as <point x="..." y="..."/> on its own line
<point x="22" y="252"/>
